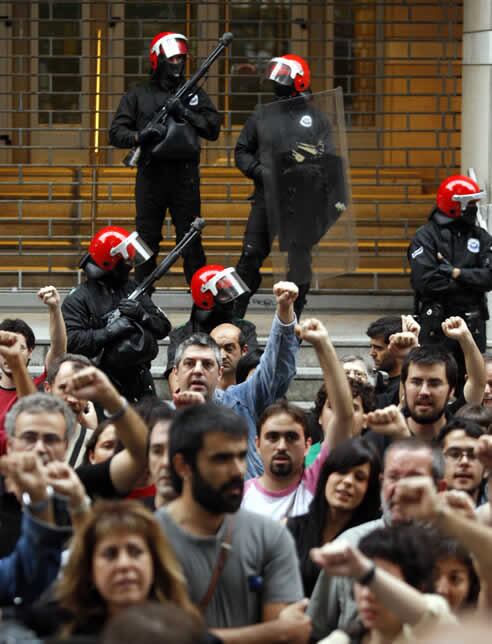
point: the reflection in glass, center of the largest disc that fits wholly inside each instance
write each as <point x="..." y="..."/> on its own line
<point x="261" y="31"/>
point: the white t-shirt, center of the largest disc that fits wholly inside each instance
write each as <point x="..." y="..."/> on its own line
<point x="289" y="502"/>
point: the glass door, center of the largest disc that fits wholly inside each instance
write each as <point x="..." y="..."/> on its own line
<point x="60" y="85"/>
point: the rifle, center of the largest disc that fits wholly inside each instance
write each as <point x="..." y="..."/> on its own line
<point x="133" y="156"/>
<point x="195" y="230"/>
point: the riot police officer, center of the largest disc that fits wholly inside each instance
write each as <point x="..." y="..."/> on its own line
<point x="168" y="170"/>
<point x="451" y="263"/>
<point x="283" y="151"/>
<point x="124" y="344"/>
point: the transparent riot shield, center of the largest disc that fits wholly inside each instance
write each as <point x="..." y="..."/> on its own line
<point x="305" y="170"/>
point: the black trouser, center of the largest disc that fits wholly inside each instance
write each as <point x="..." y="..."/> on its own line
<point x="135" y="387"/>
<point x="257" y="247"/>
<point x="174" y="186"/>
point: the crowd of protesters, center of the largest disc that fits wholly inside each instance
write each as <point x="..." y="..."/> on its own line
<point x="230" y="514"/>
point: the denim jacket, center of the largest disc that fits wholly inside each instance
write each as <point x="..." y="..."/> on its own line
<point x="34" y="563"/>
<point x="269" y="382"/>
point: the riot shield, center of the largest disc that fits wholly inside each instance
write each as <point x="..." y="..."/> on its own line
<point x="305" y="170"/>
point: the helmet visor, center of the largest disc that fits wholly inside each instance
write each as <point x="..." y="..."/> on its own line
<point x="464" y="200"/>
<point x="279" y="72"/>
<point x="133" y="249"/>
<point x="226" y="286"/>
<point x="171" y="45"/>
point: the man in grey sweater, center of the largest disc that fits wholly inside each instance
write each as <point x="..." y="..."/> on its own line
<point x="332" y="605"/>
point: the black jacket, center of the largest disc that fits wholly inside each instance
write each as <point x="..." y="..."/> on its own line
<point x="139" y="104"/>
<point x="86" y="305"/>
<point x="463" y="245"/>
<point x="247" y="150"/>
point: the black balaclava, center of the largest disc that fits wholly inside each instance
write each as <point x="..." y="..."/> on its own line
<point x="469" y="215"/>
<point x="169" y="75"/>
<point x="114" y="278"/>
<point x="282" y="91"/>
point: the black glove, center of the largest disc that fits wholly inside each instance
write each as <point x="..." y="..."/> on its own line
<point x="132" y="309"/>
<point x="176" y="108"/>
<point x="151" y="133"/>
<point x="120" y="328"/>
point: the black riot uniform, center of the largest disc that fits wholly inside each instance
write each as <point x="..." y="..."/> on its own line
<point x="172" y="184"/>
<point x="85" y="311"/>
<point x="463" y="244"/>
<point x="283" y="134"/>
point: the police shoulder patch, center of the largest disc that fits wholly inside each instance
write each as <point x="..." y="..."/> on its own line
<point x="417" y="252"/>
<point x="473" y="245"/>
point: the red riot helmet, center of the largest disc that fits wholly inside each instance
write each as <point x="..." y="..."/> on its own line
<point x="456" y="193"/>
<point x="112" y="244"/>
<point x="290" y="70"/>
<point x="214" y="284"/>
<point x="168" y="44"/>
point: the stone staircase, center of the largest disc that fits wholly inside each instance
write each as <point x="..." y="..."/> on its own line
<point x="48" y="214"/>
<point x="346" y="318"/>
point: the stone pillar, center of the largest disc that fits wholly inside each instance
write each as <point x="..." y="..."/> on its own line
<point x="476" y="113"/>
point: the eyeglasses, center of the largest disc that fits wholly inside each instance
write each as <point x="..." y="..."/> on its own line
<point x="29" y="439"/>
<point x="457" y="453"/>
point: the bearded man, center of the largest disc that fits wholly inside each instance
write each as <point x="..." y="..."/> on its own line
<point x="429" y="375"/>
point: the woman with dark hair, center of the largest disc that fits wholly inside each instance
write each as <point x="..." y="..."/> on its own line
<point x="392" y="569"/>
<point x="347" y="494"/>
<point x="102" y="444"/>
<point x="455" y="577"/>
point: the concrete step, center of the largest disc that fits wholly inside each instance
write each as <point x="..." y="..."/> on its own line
<point x="307" y="358"/>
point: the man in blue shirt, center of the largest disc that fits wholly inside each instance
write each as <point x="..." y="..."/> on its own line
<point x="198" y="369"/>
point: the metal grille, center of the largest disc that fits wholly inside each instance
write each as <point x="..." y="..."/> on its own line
<point x="64" y="66"/>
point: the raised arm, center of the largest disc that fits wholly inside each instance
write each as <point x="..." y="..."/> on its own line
<point x="35" y="562"/>
<point x="10" y="349"/>
<point x="388" y="421"/>
<point x="344" y="560"/>
<point x="129" y="464"/>
<point x="484" y="453"/>
<point x="64" y="480"/>
<point x="58" y="333"/>
<point x="277" y="367"/>
<point x="455" y="328"/>
<point x="420" y="500"/>
<point x="340" y="425"/>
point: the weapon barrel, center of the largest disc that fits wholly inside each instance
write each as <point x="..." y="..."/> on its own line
<point x="195" y="230"/>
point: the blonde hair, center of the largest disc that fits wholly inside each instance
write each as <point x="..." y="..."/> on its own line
<point x="76" y="591"/>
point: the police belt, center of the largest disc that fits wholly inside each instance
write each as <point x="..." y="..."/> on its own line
<point x="437" y="310"/>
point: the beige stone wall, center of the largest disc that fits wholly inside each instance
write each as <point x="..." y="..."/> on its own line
<point x="422" y="87"/>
